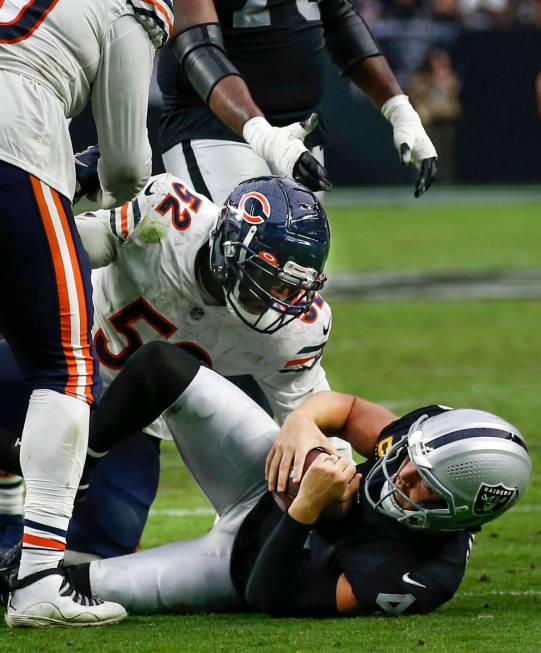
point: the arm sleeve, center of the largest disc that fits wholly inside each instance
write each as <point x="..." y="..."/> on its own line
<point x="119" y="105"/>
<point x="283" y="583"/>
<point x="348" y="37"/>
<point x="97" y="238"/>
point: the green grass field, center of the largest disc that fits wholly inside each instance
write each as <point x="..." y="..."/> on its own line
<point x="403" y="354"/>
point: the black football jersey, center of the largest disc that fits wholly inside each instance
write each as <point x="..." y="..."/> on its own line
<point x="391" y="568"/>
<point x="277" y="45"/>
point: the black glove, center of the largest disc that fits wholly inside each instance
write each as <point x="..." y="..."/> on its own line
<point x="309" y="172"/>
<point x="86" y="173"/>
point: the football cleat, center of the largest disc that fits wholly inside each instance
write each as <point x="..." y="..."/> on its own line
<point x="47" y="598"/>
<point x="9" y="568"/>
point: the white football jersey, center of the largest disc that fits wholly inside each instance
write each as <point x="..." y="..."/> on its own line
<point x="56" y="55"/>
<point x="148" y="291"/>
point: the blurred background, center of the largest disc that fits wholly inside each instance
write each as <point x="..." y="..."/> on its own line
<point x="472" y="69"/>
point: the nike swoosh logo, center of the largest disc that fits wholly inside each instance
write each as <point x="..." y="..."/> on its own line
<point x="406" y="578"/>
<point x="326" y="329"/>
<point x="148" y="189"/>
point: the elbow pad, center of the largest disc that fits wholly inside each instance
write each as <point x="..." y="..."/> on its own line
<point x="201" y="53"/>
<point x="348" y="37"/>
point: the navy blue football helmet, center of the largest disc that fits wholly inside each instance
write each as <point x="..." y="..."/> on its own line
<point x="268" y="251"/>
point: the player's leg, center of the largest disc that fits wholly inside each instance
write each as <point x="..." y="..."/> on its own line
<point x="14" y="397"/>
<point x="188" y="576"/>
<point x="214" y="167"/>
<point x="110" y="520"/>
<point x="223" y="437"/>
<point x="46" y="316"/>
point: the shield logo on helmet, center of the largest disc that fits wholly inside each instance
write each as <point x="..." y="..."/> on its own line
<point x="254" y="207"/>
<point x="493" y="498"/>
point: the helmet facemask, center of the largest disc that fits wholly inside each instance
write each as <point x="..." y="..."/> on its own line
<point x="390" y="465"/>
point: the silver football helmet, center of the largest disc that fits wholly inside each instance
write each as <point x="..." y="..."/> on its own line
<point x="475" y="461"/>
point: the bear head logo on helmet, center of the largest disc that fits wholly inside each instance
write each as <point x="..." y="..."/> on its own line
<point x="268" y="251"/>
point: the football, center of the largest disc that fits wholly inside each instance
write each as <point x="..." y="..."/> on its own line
<point x="333" y="512"/>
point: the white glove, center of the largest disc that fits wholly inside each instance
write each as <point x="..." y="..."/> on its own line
<point x="283" y="148"/>
<point x="411" y="140"/>
<point x="156" y="17"/>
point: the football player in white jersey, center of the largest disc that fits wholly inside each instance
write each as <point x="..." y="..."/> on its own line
<point x="55" y="56"/>
<point x="167" y="272"/>
<point x="236" y="286"/>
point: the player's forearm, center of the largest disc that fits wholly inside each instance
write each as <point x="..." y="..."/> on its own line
<point x="328" y="410"/>
<point x="355" y="420"/>
<point x="282" y="583"/>
<point x="120" y="104"/>
<point x="375" y="78"/>
<point x="232" y="102"/>
<point x="97" y="240"/>
<point x="200" y="50"/>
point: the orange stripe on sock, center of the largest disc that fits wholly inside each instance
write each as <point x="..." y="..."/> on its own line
<point x="83" y="316"/>
<point x="61" y="285"/>
<point x="43" y="541"/>
<point x="124" y="219"/>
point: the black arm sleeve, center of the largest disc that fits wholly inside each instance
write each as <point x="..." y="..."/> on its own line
<point x="150" y="382"/>
<point x="201" y="52"/>
<point x="283" y="583"/>
<point x="348" y="37"/>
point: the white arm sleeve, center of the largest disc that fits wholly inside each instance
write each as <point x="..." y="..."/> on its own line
<point x="98" y="240"/>
<point x="119" y="105"/>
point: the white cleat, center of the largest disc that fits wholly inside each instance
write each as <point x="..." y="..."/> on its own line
<point x="47" y="598"/>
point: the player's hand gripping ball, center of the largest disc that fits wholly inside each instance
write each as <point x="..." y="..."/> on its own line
<point x="335" y="511"/>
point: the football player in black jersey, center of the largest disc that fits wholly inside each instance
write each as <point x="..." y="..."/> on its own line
<point x="274" y="48"/>
<point x="431" y="479"/>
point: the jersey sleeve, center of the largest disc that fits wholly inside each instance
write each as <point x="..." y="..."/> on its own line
<point x="119" y="105"/>
<point x="406" y="584"/>
<point x="102" y="232"/>
<point x="164" y="203"/>
<point x="299" y="373"/>
<point x="287" y="392"/>
<point x="97" y="238"/>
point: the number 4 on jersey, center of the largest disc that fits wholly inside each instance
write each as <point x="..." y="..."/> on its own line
<point x="19" y="19"/>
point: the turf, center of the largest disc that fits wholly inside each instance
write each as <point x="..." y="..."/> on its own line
<point x="402" y="354"/>
<point x="435" y="238"/>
